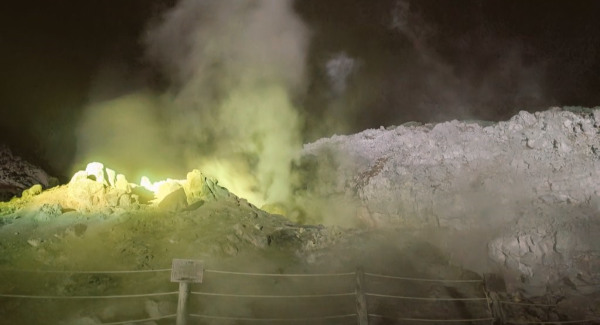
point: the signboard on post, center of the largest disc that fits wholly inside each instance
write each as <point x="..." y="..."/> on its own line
<point x="185" y="272"/>
<point x="190" y="271"/>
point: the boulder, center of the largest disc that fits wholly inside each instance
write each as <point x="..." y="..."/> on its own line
<point x="164" y="188"/>
<point x="84" y="194"/>
<point x="199" y="187"/>
<point x="33" y="191"/>
<point x="174" y="202"/>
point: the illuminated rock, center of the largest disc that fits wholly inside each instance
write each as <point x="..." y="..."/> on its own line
<point x="84" y="194"/>
<point x="111" y="177"/>
<point x="199" y="187"/>
<point x="96" y="171"/>
<point x="164" y="188"/>
<point x="122" y="184"/>
<point x="174" y="201"/>
<point x="33" y="191"/>
<point x="78" y="176"/>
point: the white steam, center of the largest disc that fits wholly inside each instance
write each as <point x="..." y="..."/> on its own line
<point x="234" y="70"/>
<point x="237" y="66"/>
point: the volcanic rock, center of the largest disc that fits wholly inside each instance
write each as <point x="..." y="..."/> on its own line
<point x="48" y="211"/>
<point x="84" y="194"/>
<point x="199" y="187"/>
<point x="16" y="175"/>
<point x="174" y="202"/>
<point x="527" y="179"/>
<point x="33" y="191"/>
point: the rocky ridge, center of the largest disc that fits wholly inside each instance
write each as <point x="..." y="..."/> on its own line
<point x="532" y="181"/>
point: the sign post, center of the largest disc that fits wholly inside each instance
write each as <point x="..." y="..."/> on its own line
<point x="185" y="272"/>
<point x="361" y="298"/>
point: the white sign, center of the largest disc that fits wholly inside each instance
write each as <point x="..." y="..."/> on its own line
<point x="187" y="271"/>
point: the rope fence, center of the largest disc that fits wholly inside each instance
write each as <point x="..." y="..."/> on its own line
<point x="141" y="320"/>
<point x="90" y="297"/>
<point x="85" y="272"/>
<point x="271" y="296"/>
<point x="422" y="280"/>
<point x="361" y="312"/>
<point x="556" y="322"/>
<point x="435" y="320"/>
<point x="426" y="299"/>
<point x="504" y="302"/>
<point x="274" y="319"/>
<point x="280" y="275"/>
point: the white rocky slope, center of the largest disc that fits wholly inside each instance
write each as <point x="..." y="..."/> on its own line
<point x="16" y="175"/>
<point x="531" y="182"/>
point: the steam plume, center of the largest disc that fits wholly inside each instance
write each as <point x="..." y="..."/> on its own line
<point x="235" y="69"/>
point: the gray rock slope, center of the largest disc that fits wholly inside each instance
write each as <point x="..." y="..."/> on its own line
<point x="17" y="175"/>
<point x="533" y="179"/>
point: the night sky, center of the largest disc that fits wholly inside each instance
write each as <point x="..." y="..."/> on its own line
<point x="52" y="52"/>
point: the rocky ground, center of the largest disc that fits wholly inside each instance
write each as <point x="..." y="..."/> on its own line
<point x="516" y="201"/>
<point x="99" y="221"/>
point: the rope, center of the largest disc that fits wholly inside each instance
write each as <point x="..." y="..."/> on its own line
<point x="556" y="322"/>
<point x="423" y="280"/>
<point x="430" y="299"/>
<point x="269" y="296"/>
<point x="273" y="319"/>
<point x="524" y="304"/>
<point x="89" y="297"/>
<point x="140" y="320"/>
<point x="87" y="272"/>
<point x="435" y="320"/>
<point x="280" y="275"/>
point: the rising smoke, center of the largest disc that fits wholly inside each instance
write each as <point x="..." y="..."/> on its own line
<point x="235" y="70"/>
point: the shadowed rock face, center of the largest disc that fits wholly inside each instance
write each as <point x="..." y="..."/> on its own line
<point x="533" y="180"/>
<point x="17" y="175"/>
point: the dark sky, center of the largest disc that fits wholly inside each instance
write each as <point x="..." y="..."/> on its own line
<point x="51" y="51"/>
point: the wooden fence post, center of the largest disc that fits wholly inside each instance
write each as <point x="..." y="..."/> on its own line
<point x="361" y="299"/>
<point x="497" y="311"/>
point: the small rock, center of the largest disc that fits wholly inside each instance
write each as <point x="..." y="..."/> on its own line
<point x="35" y="242"/>
<point x="111" y="177"/>
<point x="33" y="191"/>
<point x="77" y="230"/>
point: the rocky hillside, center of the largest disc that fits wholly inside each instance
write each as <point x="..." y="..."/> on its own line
<point x="528" y="188"/>
<point x="16" y="175"/>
